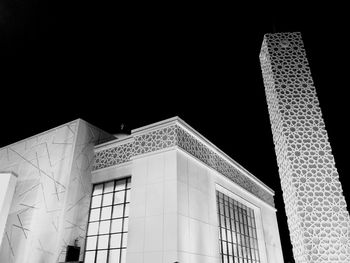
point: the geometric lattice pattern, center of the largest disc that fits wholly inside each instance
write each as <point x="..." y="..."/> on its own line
<point x="171" y="136"/>
<point x="191" y="145"/>
<point x="315" y="206"/>
<point x="153" y="141"/>
<point x="113" y="156"/>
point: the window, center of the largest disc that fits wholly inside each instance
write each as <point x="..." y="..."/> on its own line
<point x="107" y="232"/>
<point x="238" y="239"/>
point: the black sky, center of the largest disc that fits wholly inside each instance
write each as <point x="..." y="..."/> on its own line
<point x="111" y="64"/>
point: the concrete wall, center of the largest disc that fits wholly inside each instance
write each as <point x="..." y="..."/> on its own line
<point x="197" y="213"/>
<point x="198" y="220"/>
<point x="77" y="200"/>
<point x="152" y="234"/>
<point x="271" y="234"/>
<point x="153" y="210"/>
<point x="265" y="216"/>
<point x="50" y="204"/>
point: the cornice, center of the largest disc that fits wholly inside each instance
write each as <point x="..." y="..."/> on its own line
<point x="175" y="132"/>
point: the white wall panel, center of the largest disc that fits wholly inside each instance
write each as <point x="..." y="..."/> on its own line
<point x="153" y="211"/>
<point x="49" y="208"/>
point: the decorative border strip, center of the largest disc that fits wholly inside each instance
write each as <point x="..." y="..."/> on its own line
<point x="174" y="135"/>
<point x="113" y="156"/>
<point x="209" y="157"/>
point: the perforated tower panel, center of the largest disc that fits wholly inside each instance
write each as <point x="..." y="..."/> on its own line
<point x="318" y="219"/>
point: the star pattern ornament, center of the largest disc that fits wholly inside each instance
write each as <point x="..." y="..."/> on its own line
<point x="175" y="135"/>
<point x="315" y="206"/>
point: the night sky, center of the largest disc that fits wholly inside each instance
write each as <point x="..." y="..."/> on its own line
<point x="111" y="64"/>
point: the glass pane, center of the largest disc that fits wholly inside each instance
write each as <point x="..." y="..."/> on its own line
<point x="228" y="225"/>
<point x="106" y="212"/>
<point x="244" y="252"/>
<point x="125" y="240"/>
<point x="249" y="221"/>
<point x="107" y="199"/>
<point x="96" y="201"/>
<point x="127" y="196"/>
<point x="223" y="234"/>
<point x="123" y="256"/>
<point x="117" y="225"/>
<point x="119" y="197"/>
<point x="109" y="187"/>
<point x="118" y="211"/>
<point x="126" y="213"/>
<point x="104" y="227"/>
<point x="224" y="248"/>
<point x="93" y="228"/>
<point x="119" y="185"/>
<point x="95" y="214"/>
<point x="103" y="242"/>
<point x="126" y="223"/>
<point x="106" y="237"/>
<point x="91" y="243"/>
<point x="114" y="255"/>
<point x="115" y="241"/>
<point x="97" y="189"/>
<point x="101" y="256"/>
<point x="90" y="257"/>
<point x="235" y="249"/>
<point x="234" y="240"/>
<point x="229" y="239"/>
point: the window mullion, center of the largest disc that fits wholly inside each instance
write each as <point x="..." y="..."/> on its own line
<point x="99" y="222"/>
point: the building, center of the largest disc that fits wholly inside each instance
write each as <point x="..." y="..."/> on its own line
<point x="163" y="194"/>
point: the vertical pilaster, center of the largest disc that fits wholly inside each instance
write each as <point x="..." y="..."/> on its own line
<point x="318" y="219"/>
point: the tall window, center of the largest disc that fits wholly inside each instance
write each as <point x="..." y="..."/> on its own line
<point x="238" y="239"/>
<point x="107" y="232"/>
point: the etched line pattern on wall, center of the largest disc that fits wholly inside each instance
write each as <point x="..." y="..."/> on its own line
<point x="317" y="216"/>
<point x="40" y="163"/>
<point x="174" y="135"/>
<point x="51" y="201"/>
<point x="79" y="188"/>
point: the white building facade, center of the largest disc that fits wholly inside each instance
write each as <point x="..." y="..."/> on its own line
<point x="162" y="194"/>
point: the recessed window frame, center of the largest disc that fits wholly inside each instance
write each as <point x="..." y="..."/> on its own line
<point x="112" y="218"/>
<point x="245" y="224"/>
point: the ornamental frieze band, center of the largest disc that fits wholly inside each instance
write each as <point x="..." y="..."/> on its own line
<point x="171" y="136"/>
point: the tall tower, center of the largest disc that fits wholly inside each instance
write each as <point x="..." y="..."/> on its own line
<point x="318" y="219"/>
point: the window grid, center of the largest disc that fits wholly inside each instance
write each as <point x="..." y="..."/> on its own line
<point x="238" y="238"/>
<point x="107" y="230"/>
